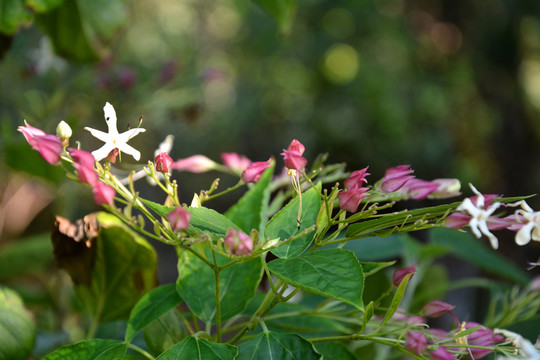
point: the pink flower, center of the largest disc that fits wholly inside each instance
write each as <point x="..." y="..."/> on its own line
<point x="416" y="342"/>
<point x="103" y="193"/>
<point x="84" y="164"/>
<point x="394" y="178"/>
<point x="356" y="179"/>
<point x="419" y="189"/>
<point x="293" y="156"/>
<point x="447" y="188"/>
<point x="442" y="354"/>
<point x="255" y="171"/>
<point x="350" y="199"/>
<point x="179" y="218"/>
<point x="49" y="146"/>
<point x="399" y="274"/>
<point x="163" y="162"/>
<point x="194" y="164"/>
<point x="235" y="162"/>
<point x="436" y="308"/>
<point x="481" y="337"/>
<point x="238" y="243"/>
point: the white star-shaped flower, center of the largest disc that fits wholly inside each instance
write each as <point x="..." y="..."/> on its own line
<point x="531" y="220"/>
<point x="479" y="216"/>
<point x="114" y="140"/>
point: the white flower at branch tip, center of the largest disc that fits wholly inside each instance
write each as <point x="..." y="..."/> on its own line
<point x="113" y="139"/>
<point x="525" y="348"/>
<point x="531" y="219"/>
<point x="479" y="216"/>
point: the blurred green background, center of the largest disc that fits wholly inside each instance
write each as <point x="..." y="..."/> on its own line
<point x="450" y="87"/>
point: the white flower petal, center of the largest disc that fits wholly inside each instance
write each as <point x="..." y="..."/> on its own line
<point x="492" y="239"/>
<point x="103" y="151"/>
<point x="523" y="236"/>
<point x="130" y="150"/>
<point x="126" y="135"/>
<point x="110" y="117"/>
<point x="473" y="224"/>
<point x="103" y="136"/>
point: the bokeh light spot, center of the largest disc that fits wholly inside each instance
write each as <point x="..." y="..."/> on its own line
<point x="341" y="63"/>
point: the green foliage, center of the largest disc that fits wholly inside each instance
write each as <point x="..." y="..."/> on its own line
<point x="272" y="345"/>
<point x="334" y="273"/>
<point x="284" y="224"/>
<point x="90" y="349"/>
<point x="30" y="255"/>
<point x="164" y="332"/>
<point x="150" y="307"/>
<point x="17" y="330"/>
<point x="196" y="285"/>
<point x="250" y="211"/>
<point x="197" y="348"/>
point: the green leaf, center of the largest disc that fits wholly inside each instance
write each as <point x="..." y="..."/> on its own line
<point x="17" y="330"/>
<point x="376" y="248"/>
<point x="284" y="225"/>
<point x="12" y="15"/>
<point x="334" y="273"/>
<point x="39" y="6"/>
<point x="371" y="268"/>
<point x="90" y="349"/>
<point x="334" y="350"/>
<point x="282" y="10"/>
<point x="114" y="273"/>
<point x="159" y="209"/>
<point x="196" y="285"/>
<point x="102" y="18"/>
<point x="272" y="345"/>
<point x="471" y="249"/>
<point x="194" y="348"/>
<point x="26" y="256"/>
<point x="164" y="332"/>
<point x="248" y="213"/>
<point x="152" y="305"/>
<point x="396" y="300"/>
<point x="65" y="28"/>
<point x="204" y="220"/>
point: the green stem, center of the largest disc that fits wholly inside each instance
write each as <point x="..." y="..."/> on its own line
<point x="218" y="299"/>
<point x="228" y="190"/>
<point x="140" y="351"/>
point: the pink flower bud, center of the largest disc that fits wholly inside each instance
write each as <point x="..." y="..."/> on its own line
<point x="238" y="243"/>
<point x="49" y="146"/>
<point x="394" y="178"/>
<point x="235" y="162"/>
<point x="293" y="156"/>
<point x="419" y="189"/>
<point x="399" y="274"/>
<point x="163" y="162"/>
<point x="350" y="199"/>
<point x="442" y="354"/>
<point x="194" y="164"/>
<point x="83" y="161"/>
<point x="481" y="337"/>
<point x="179" y="218"/>
<point x="297" y="146"/>
<point x="436" y="308"/>
<point x="255" y="171"/>
<point x="103" y="193"/>
<point x="416" y="342"/>
<point x="356" y="179"/>
<point x="447" y="188"/>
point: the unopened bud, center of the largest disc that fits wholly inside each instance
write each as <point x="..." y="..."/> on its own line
<point x="63" y="131"/>
<point x="447" y="188"/>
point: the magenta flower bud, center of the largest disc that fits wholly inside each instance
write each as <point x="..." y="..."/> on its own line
<point x="399" y="274"/>
<point x="293" y="156"/>
<point x="235" y="162"/>
<point x="83" y="161"/>
<point x="416" y="342"/>
<point x="163" y="162"/>
<point x="179" y="218"/>
<point x="297" y="146"/>
<point x="419" y="189"/>
<point x="350" y="199"/>
<point x="356" y="179"/>
<point x="238" y="243"/>
<point x="436" y="308"/>
<point x="194" y="164"/>
<point x="394" y="178"/>
<point x="49" y="146"/>
<point x="481" y="337"/>
<point x="442" y="354"/>
<point x="457" y="220"/>
<point x="103" y="193"/>
<point x="255" y="171"/>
